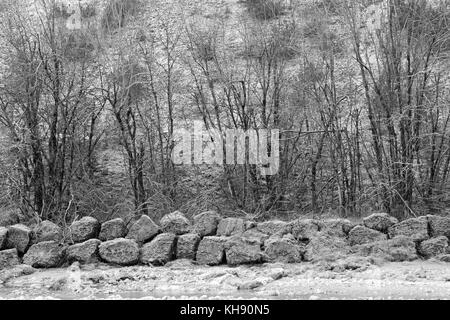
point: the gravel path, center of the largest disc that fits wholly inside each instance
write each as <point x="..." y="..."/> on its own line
<point x="349" y="279"/>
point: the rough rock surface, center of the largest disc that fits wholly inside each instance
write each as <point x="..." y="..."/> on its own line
<point x="48" y="254"/>
<point x="274" y="227"/>
<point x="337" y="227"/>
<point x="238" y="251"/>
<point x="398" y="249"/>
<point x="416" y="228"/>
<point x="242" y="242"/>
<point x="47" y="231"/>
<point x="362" y="235"/>
<point x="324" y="246"/>
<point x="444" y="258"/>
<point x="176" y="223"/>
<point x="113" y="229"/>
<point x="284" y="249"/>
<point x="434" y="247"/>
<point x="9" y="258"/>
<point x="120" y="251"/>
<point x="249" y="224"/>
<point x="305" y="229"/>
<point x="187" y="246"/>
<point x="439" y="226"/>
<point x="205" y="224"/>
<point x="86" y="252"/>
<point x="230" y="226"/>
<point x="379" y="221"/>
<point x="254" y="236"/>
<point x="143" y="230"/>
<point x="211" y="251"/>
<point x="84" y="229"/>
<point x="3" y="237"/>
<point x="19" y="237"/>
<point x="160" y="250"/>
<point x="15" y="271"/>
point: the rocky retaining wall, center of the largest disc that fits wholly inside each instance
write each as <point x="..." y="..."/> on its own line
<point x="212" y="240"/>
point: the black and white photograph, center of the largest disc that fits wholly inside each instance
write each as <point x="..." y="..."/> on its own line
<point x="247" y="152"/>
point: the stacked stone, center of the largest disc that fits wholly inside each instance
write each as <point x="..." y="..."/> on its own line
<point x="213" y="240"/>
<point x="425" y="237"/>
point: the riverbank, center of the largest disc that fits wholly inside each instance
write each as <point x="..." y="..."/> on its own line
<point x="353" y="278"/>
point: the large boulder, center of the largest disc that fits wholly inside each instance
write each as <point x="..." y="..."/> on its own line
<point x="160" y="251"/>
<point x="47" y="231"/>
<point x="230" y="226"/>
<point x="187" y="246"/>
<point x="211" y="251"/>
<point x="86" y="252"/>
<point x="380" y="222"/>
<point x="9" y="259"/>
<point x="361" y="235"/>
<point x="239" y="251"/>
<point x="415" y="228"/>
<point x="434" y="247"/>
<point x="284" y="249"/>
<point x="19" y="237"/>
<point x="3" y="237"/>
<point x="439" y="226"/>
<point x="337" y="227"/>
<point x="113" y="229"/>
<point x="143" y="230"/>
<point x="48" y="254"/>
<point x="398" y="249"/>
<point x="274" y="227"/>
<point x="205" y="224"/>
<point x="305" y="229"/>
<point x="123" y="252"/>
<point x="176" y="223"/>
<point x="326" y="247"/>
<point x="84" y="229"/>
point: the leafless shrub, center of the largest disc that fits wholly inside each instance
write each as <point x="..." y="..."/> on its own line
<point x="264" y="9"/>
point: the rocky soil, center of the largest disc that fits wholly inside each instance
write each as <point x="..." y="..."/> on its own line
<point x="350" y="278"/>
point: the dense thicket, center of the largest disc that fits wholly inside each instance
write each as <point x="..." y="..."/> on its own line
<point x="359" y="91"/>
